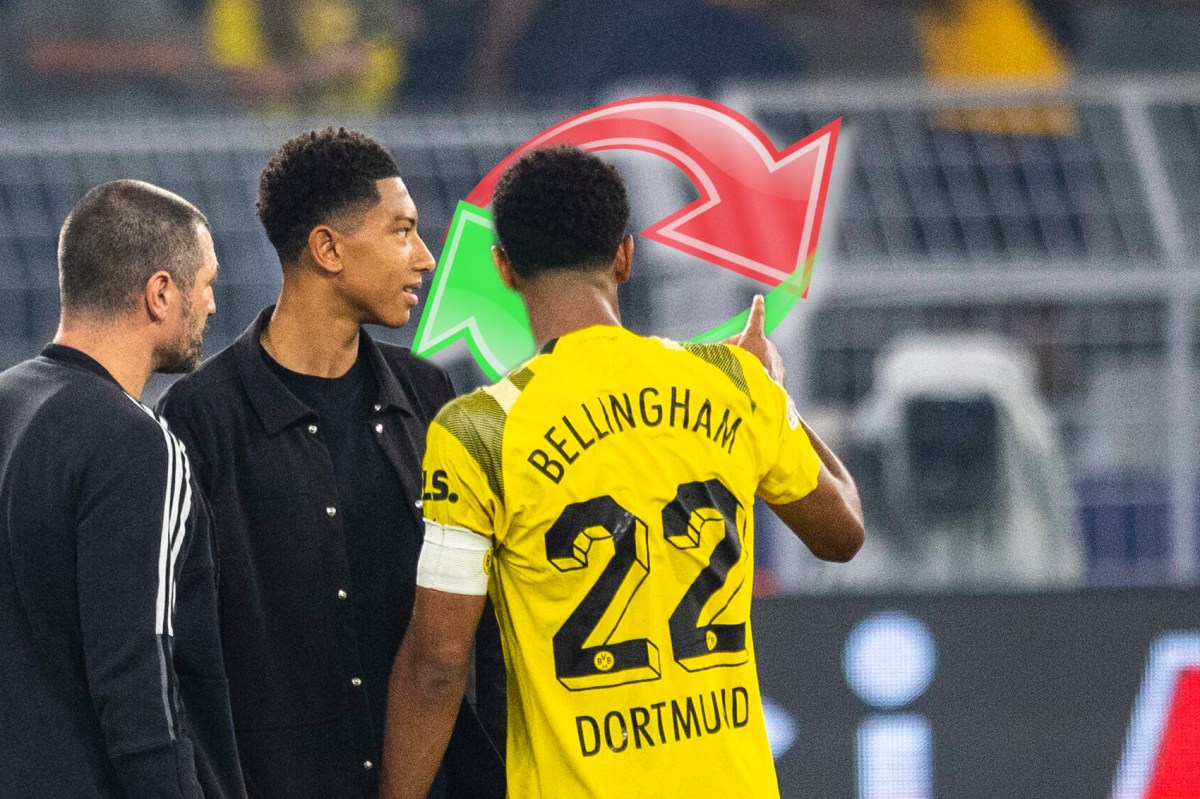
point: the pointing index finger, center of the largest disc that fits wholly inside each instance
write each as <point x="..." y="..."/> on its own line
<point x="756" y="322"/>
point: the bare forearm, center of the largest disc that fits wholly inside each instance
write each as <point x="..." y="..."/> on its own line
<point x="836" y="468"/>
<point x="423" y="702"/>
<point x="829" y="520"/>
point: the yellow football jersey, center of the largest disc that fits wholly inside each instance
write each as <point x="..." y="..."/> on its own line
<point x="615" y="475"/>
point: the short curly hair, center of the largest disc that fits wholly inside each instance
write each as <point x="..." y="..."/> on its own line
<point x="560" y="208"/>
<point x="313" y="179"/>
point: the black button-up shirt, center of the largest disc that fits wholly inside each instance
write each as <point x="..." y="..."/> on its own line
<point x="294" y="660"/>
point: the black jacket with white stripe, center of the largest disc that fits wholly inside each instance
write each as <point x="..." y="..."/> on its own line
<point x="111" y="680"/>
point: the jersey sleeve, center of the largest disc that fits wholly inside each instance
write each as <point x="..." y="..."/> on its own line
<point x="788" y="464"/>
<point x="456" y="489"/>
<point x="132" y="522"/>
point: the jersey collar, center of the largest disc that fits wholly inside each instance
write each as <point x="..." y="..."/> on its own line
<point x="69" y="356"/>
<point x="586" y="334"/>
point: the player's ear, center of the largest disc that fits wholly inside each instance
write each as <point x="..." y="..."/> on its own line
<point x="504" y="266"/>
<point x="323" y="248"/>
<point x="623" y="263"/>
<point x="157" y="295"/>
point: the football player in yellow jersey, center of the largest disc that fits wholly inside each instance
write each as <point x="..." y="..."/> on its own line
<point x="603" y="492"/>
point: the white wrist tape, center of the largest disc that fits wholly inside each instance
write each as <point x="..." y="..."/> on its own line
<point x="452" y="560"/>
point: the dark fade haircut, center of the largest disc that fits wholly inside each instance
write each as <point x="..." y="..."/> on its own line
<point x="117" y="236"/>
<point x="560" y="208"/>
<point x="317" y="178"/>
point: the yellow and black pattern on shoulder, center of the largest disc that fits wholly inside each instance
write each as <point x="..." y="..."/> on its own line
<point x="477" y="421"/>
<point x="719" y="356"/>
<point x="521" y="377"/>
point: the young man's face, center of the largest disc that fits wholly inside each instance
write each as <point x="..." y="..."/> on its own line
<point x="385" y="258"/>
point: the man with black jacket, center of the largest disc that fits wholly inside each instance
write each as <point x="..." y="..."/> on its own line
<point x="110" y="658"/>
<point x="307" y="437"/>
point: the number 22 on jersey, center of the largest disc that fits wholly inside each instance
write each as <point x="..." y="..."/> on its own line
<point x="697" y="506"/>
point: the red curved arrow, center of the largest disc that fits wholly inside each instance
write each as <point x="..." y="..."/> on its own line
<point x="1176" y="773"/>
<point x="759" y="210"/>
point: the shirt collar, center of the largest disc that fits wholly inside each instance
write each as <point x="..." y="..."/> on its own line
<point x="391" y="395"/>
<point x="586" y="334"/>
<point x="70" y="356"/>
<point x="275" y="405"/>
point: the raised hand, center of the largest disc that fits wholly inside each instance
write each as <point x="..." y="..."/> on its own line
<point x="754" y="340"/>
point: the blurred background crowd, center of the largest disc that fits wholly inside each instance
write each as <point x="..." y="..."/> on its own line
<point x="380" y="56"/>
<point x="1003" y="329"/>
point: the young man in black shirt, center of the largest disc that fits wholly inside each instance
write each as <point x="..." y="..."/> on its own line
<point x="109" y="652"/>
<point x="307" y="437"/>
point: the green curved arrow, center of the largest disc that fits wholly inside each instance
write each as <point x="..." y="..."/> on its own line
<point x="468" y="300"/>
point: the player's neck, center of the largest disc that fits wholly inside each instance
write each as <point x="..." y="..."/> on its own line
<point x="307" y="334"/>
<point x="123" y="353"/>
<point x="561" y="303"/>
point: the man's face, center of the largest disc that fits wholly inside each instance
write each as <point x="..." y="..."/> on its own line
<point x="184" y="352"/>
<point x="385" y="258"/>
